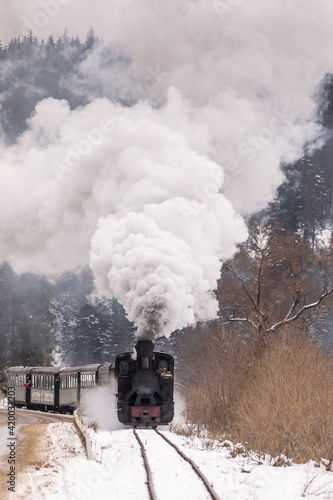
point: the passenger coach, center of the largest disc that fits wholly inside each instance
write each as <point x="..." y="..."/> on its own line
<point x="56" y="388"/>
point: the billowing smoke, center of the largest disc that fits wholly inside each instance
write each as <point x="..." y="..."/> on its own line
<point x="150" y="194"/>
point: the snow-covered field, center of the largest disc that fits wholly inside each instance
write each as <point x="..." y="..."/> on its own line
<point x="118" y="471"/>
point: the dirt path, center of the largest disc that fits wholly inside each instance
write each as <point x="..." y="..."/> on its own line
<point x="33" y="448"/>
<point x="32" y="451"/>
<point x="3" y="464"/>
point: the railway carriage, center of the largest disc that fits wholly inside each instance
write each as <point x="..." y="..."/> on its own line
<point x="88" y="380"/>
<point x="19" y="378"/>
<point x="56" y="388"/>
<point x="45" y="387"/>
<point x="69" y="391"/>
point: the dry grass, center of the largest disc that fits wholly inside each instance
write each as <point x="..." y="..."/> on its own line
<point x="287" y="403"/>
<point x="93" y="424"/>
<point x="280" y="403"/>
<point x="217" y="376"/>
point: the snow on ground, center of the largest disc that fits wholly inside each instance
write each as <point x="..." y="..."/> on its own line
<point x="235" y="476"/>
<point x="118" y="472"/>
<point x="64" y="461"/>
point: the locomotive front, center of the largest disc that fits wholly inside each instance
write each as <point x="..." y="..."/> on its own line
<point x="145" y="386"/>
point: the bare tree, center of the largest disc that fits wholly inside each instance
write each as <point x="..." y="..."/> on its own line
<point x="275" y="279"/>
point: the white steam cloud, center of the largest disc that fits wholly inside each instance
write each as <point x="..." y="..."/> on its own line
<point x="150" y="195"/>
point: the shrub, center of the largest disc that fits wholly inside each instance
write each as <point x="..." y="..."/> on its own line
<point x="216" y="376"/>
<point x="287" y="402"/>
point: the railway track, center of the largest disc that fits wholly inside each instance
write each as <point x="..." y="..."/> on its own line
<point x="158" y="453"/>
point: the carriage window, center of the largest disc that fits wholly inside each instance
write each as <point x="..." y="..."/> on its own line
<point x="124" y="367"/>
<point x="163" y="364"/>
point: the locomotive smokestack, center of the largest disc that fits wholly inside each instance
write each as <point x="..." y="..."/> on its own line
<point x="144" y="349"/>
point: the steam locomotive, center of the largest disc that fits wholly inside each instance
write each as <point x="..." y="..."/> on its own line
<point x="144" y="379"/>
<point x="145" y="386"/>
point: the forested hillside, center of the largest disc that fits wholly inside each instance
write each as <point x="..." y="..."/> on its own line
<point x="46" y="321"/>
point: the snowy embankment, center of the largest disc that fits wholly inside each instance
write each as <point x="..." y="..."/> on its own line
<point x="118" y="470"/>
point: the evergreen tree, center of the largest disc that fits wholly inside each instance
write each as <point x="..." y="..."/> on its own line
<point x="32" y="71"/>
<point x="91" y="39"/>
<point x="7" y="278"/>
<point x="32" y="338"/>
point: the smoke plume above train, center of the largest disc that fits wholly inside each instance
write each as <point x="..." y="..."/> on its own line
<point x="149" y="187"/>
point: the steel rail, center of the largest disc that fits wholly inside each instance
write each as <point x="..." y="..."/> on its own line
<point x="194" y="466"/>
<point x="148" y="470"/>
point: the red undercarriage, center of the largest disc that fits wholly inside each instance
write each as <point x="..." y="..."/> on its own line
<point x="145" y="415"/>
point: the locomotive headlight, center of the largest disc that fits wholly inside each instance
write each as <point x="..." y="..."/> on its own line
<point x="145" y="382"/>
